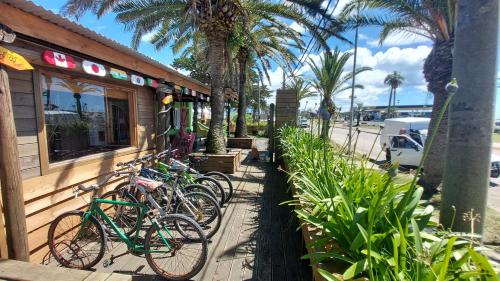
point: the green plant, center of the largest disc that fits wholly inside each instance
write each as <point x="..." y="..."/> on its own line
<point x="369" y="224"/>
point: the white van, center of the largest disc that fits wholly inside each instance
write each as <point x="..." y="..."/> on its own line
<point x="404" y="140"/>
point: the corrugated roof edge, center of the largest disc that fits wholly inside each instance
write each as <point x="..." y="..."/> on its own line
<point x="65" y="23"/>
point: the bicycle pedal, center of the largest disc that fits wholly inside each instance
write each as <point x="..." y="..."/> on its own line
<point x="107" y="263"/>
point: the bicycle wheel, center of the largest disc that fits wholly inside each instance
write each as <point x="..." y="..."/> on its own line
<point x="203" y="209"/>
<point x="125" y="217"/>
<point x="215" y="186"/>
<point x="174" y="255"/>
<point x="224" y="181"/>
<point x="74" y="244"/>
<point x="198" y="188"/>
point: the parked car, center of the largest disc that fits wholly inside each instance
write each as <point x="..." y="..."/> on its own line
<point x="404" y="140"/>
<point x="304" y="123"/>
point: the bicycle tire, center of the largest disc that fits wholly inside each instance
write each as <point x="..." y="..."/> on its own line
<point x="211" y="212"/>
<point x="215" y="186"/>
<point x="57" y="253"/>
<point x="129" y="213"/>
<point x="150" y="243"/>
<point x="198" y="188"/>
<point x="225" y="183"/>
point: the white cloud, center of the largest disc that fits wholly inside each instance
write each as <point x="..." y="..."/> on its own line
<point x="399" y="39"/>
<point x="408" y="61"/>
<point x="297" y="27"/>
<point x="338" y="5"/>
<point x="147" y="37"/>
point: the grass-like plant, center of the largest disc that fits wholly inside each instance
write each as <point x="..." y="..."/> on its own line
<point x="369" y="224"/>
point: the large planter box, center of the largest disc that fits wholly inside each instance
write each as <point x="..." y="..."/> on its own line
<point x="225" y="163"/>
<point x="245" y="143"/>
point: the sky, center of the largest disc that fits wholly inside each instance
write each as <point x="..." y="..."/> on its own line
<point x="402" y="53"/>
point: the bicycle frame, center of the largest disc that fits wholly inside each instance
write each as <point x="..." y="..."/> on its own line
<point x="131" y="243"/>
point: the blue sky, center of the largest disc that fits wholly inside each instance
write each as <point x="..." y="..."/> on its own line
<point x="400" y="53"/>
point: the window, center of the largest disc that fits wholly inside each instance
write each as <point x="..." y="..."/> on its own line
<point x="402" y="142"/>
<point x="83" y="118"/>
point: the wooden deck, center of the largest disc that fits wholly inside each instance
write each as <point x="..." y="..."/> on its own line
<point x="257" y="239"/>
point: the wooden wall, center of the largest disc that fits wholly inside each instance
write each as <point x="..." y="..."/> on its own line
<point x="23" y="103"/>
<point x="47" y="196"/>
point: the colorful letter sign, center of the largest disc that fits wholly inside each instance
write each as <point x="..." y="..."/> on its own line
<point x="118" y="74"/>
<point x="58" y="59"/>
<point x="167" y="99"/>
<point x="137" y="80"/>
<point x="13" y="60"/>
<point x="94" y="68"/>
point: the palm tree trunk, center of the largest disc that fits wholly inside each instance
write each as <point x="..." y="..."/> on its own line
<point x="215" y="138"/>
<point x="437" y="72"/>
<point x="467" y="167"/>
<point x="389" y="106"/>
<point x="241" y="122"/>
<point x="394" y="99"/>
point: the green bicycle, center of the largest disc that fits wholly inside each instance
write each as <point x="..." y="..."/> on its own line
<point x="174" y="245"/>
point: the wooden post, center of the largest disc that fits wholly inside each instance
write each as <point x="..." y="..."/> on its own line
<point x="270" y="124"/>
<point x="195" y="121"/>
<point x="228" y="118"/>
<point x="10" y="175"/>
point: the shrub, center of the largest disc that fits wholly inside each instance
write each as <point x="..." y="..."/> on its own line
<point x="369" y="224"/>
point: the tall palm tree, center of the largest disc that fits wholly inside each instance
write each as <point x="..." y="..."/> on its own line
<point x="435" y="20"/>
<point x="330" y="80"/>
<point x="173" y="20"/>
<point x="257" y="43"/>
<point x="394" y="80"/>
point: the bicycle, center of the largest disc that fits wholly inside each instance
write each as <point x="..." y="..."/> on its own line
<point x="193" y="176"/>
<point x="82" y="241"/>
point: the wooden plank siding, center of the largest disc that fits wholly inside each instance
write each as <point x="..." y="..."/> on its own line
<point x="48" y="195"/>
<point x="23" y="104"/>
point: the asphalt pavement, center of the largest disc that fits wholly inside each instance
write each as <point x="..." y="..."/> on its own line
<point x="367" y="142"/>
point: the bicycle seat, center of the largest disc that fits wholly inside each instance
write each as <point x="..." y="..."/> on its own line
<point x="198" y="159"/>
<point x="149" y="185"/>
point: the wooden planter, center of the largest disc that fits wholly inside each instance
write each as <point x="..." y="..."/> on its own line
<point x="225" y="163"/>
<point x="245" y="143"/>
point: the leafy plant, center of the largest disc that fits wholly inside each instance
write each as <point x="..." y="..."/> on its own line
<point x="369" y="224"/>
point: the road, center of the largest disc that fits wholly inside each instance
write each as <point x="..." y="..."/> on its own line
<point x="368" y="137"/>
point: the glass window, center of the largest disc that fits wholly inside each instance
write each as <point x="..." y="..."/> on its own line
<point x="82" y="118"/>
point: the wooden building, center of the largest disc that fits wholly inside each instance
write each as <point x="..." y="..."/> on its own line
<point x="88" y="104"/>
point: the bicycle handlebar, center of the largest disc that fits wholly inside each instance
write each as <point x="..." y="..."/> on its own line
<point x="96" y="186"/>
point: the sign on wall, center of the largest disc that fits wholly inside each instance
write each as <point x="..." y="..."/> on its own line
<point x="137" y="80"/>
<point x="59" y="59"/>
<point x="13" y="59"/>
<point x="118" y="74"/>
<point x="94" y="68"/>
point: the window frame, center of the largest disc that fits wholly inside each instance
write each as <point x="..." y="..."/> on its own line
<point x="45" y="165"/>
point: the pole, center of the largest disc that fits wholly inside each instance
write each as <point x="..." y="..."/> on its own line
<point x="270" y="126"/>
<point x="195" y="121"/>
<point x="467" y="166"/>
<point x="10" y="175"/>
<point x="258" y="103"/>
<point x="352" y="93"/>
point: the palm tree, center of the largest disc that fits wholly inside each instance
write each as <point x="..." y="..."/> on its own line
<point x="182" y="22"/>
<point x="394" y="80"/>
<point x="303" y="88"/>
<point x="173" y="20"/>
<point x="435" y="20"/>
<point x="257" y="43"/>
<point x="330" y="80"/>
<point x="77" y="88"/>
